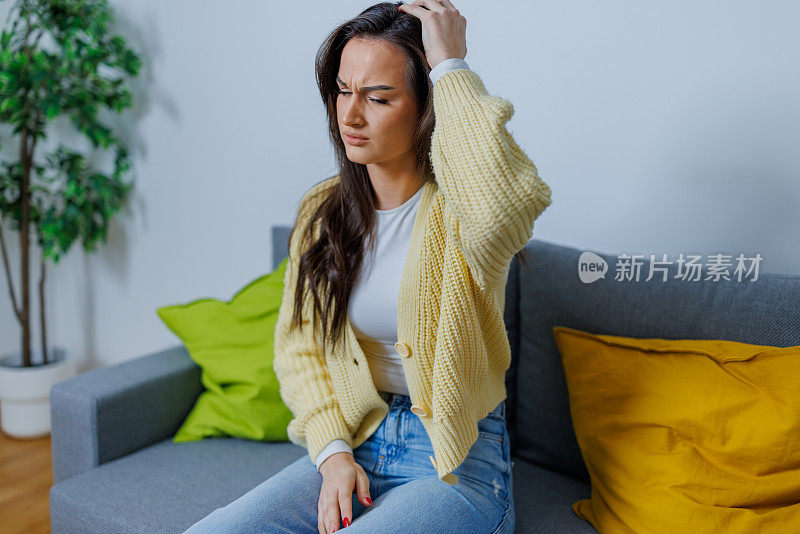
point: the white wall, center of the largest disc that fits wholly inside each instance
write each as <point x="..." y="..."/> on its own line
<point x="661" y="127"/>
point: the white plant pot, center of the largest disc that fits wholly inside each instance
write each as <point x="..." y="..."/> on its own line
<point x="25" y="391"/>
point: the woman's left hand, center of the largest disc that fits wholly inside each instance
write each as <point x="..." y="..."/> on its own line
<point x="444" y="29"/>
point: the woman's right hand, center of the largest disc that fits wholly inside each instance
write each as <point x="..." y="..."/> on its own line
<point x="341" y="474"/>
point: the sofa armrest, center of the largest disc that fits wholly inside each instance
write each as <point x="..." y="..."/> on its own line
<point x="106" y="413"/>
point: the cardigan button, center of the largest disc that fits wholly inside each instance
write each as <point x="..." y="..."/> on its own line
<point x="451" y="479"/>
<point x="419" y="410"/>
<point x="402" y="349"/>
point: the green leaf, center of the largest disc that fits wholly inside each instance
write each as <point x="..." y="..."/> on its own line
<point x="53" y="109"/>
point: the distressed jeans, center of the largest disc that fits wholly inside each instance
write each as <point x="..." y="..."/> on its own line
<point x="405" y="489"/>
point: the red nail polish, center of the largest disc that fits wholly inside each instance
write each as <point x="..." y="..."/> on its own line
<point x="369" y="501"/>
<point x="346" y="522"/>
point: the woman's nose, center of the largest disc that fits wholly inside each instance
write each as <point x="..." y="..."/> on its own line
<point x="352" y="115"/>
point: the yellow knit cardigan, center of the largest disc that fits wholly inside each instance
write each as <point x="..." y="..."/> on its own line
<point x="477" y="213"/>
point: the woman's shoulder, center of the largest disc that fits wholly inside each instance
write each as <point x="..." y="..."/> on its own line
<point x="315" y="194"/>
<point x="324" y="184"/>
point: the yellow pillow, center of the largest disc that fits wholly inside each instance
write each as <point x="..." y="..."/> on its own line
<point x="690" y="436"/>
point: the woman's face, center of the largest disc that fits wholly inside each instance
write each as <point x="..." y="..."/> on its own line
<point x="374" y="102"/>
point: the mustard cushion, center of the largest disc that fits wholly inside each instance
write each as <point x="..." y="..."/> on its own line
<point x="694" y="436"/>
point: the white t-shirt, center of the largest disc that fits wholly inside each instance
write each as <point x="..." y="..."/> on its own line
<point x="372" y="308"/>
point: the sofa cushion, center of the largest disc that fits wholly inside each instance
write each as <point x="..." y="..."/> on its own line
<point x="764" y="312"/>
<point x="543" y="500"/>
<point x="166" y="487"/>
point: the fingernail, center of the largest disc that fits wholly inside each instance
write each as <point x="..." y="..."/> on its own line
<point x="346" y="522"/>
<point x="369" y="501"/>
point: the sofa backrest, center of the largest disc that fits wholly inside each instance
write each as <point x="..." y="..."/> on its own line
<point x="763" y="312"/>
<point x="280" y="243"/>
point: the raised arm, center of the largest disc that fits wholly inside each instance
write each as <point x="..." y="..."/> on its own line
<point x="490" y="186"/>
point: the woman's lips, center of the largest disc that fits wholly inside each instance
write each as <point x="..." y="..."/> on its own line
<point x="357" y="141"/>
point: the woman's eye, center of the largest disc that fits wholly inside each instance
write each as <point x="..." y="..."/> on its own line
<point x="376" y="100"/>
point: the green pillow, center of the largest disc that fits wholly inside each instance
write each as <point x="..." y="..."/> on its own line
<point x="232" y="343"/>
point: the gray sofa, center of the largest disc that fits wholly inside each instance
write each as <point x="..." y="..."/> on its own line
<point x="116" y="470"/>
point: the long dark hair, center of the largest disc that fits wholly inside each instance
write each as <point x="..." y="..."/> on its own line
<point x="344" y="223"/>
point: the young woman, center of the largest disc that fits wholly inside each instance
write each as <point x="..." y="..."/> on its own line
<point x="390" y="346"/>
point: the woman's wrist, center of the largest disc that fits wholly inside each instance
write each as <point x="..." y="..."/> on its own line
<point x="446" y="66"/>
<point x="337" y="445"/>
<point x="333" y="459"/>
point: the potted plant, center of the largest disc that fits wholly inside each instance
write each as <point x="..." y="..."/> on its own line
<point x="58" y="60"/>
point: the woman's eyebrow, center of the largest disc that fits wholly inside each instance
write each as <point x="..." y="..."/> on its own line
<point x="370" y="88"/>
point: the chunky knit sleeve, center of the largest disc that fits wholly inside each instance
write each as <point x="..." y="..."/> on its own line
<point x="490" y="186"/>
<point x="304" y="380"/>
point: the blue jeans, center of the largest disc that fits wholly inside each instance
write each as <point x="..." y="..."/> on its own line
<point x="405" y="489"/>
